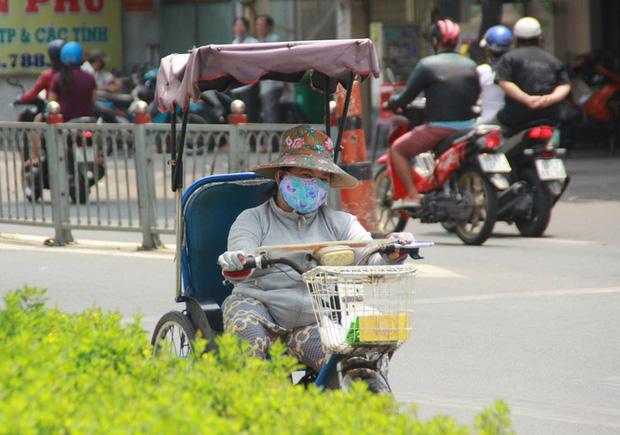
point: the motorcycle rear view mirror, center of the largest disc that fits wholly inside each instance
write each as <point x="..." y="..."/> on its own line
<point x="12" y="80"/>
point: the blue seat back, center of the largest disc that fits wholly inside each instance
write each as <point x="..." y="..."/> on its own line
<point x="210" y="207"/>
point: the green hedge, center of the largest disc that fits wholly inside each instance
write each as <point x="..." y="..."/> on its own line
<point x="88" y="373"/>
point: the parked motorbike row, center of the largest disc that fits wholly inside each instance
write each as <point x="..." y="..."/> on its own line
<point x="476" y="177"/>
<point x="592" y="113"/>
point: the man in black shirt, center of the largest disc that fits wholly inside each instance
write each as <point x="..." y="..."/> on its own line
<point x="534" y="81"/>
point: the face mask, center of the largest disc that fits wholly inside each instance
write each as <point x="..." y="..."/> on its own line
<point x="304" y="195"/>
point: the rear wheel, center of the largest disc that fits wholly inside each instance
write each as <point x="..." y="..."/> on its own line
<point x="536" y="223"/>
<point x="373" y="380"/>
<point x="389" y="221"/>
<point x="478" y="227"/>
<point x="449" y="226"/>
<point x="79" y="191"/>
<point x="31" y="183"/>
<point x="174" y="334"/>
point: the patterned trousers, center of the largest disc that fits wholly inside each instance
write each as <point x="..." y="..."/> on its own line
<point x="250" y="320"/>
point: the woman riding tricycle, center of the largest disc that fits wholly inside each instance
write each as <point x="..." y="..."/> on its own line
<point x="308" y="275"/>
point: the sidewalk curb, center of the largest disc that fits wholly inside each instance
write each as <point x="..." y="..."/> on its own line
<point x="109" y="245"/>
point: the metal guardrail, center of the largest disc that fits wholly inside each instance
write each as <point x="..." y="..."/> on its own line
<point x="115" y="177"/>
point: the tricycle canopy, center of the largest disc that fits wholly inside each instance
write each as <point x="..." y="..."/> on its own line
<point x="221" y="67"/>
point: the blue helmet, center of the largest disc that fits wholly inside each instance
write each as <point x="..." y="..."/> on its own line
<point x="497" y="38"/>
<point x="54" y="48"/>
<point x="72" y="54"/>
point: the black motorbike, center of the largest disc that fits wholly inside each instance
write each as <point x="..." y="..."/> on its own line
<point x="84" y="164"/>
<point x="85" y="161"/>
<point x="212" y="108"/>
<point x="538" y="177"/>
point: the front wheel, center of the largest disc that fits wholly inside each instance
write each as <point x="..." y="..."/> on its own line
<point x="535" y="224"/>
<point x="389" y="221"/>
<point x="174" y="334"/>
<point x="477" y="228"/>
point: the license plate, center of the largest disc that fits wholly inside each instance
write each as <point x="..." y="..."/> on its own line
<point x="81" y="153"/>
<point x="551" y="169"/>
<point x="494" y="163"/>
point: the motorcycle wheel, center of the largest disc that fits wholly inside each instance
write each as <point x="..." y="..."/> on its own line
<point x="196" y="144"/>
<point x="78" y="191"/>
<point x="175" y="334"/>
<point x="538" y="220"/>
<point x="449" y="226"/>
<point x="477" y="229"/>
<point x="32" y="185"/>
<point x="388" y="220"/>
<point x="373" y="380"/>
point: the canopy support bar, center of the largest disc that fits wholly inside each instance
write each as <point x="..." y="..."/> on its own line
<point x="328" y="124"/>
<point x="343" y="119"/>
<point x="177" y="178"/>
<point x="173" y="145"/>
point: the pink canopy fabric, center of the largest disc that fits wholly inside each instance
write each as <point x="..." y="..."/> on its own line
<point x="220" y="67"/>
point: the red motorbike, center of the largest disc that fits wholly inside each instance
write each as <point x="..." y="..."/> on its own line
<point x="459" y="181"/>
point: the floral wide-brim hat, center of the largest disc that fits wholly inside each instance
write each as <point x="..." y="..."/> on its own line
<point x="306" y="147"/>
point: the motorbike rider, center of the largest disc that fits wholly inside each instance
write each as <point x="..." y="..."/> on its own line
<point x="45" y="78"/>
<point x="496" y="41"/>
<point x="269" y="304"/>
<point x="106" y="81"/>
<point x="451" y="87"/>
<point x="75" y="90"/>
<point x="534" y="81"/>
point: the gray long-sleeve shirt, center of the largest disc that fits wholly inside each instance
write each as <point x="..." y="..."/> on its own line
<point x="281" y="289"/>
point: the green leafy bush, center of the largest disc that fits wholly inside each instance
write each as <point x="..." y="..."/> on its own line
<point x="88" y="373"/>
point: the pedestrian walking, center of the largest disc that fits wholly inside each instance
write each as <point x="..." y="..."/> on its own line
<point x="270" y="91"/>
<point x="249" y="94"/>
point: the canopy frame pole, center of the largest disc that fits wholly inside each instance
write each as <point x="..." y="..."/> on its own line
<point x="173" y="145"/>
<point x="328" y="124"/>
<point x="343" y="119"/>
<point x="177" y="188"/>
<point x="178" y="164"/>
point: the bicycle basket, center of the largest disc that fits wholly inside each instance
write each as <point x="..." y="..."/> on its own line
<point x="362" y="307"/>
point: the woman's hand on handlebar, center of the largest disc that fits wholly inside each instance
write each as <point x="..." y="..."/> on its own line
<point x="233" y="261"/>
<point x="402" y="239"/>
<point x="236" y="265"/>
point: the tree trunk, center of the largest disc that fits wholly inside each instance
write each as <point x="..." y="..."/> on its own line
<point x="491" y="16"/>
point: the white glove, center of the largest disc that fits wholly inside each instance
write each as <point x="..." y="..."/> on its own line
<point x="232" y="261"/>
<point x="402" y="238"/>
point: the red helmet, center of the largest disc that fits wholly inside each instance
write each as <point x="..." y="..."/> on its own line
<point x="446" y="32"/>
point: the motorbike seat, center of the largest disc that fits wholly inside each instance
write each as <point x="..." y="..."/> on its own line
<point x="83" y="119"/>
<point x="509" y="132"/>
<point x="455" y="137"/>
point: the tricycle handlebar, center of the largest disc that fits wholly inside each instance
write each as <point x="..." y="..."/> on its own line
<point x="263" y="261"/>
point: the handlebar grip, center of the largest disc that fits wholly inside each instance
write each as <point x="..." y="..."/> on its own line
<point x="250" y="263"/>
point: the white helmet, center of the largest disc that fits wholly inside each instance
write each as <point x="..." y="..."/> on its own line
<point x="527" y="28"/>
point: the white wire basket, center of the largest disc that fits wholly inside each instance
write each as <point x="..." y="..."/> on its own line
<point x="359" y="308"/>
